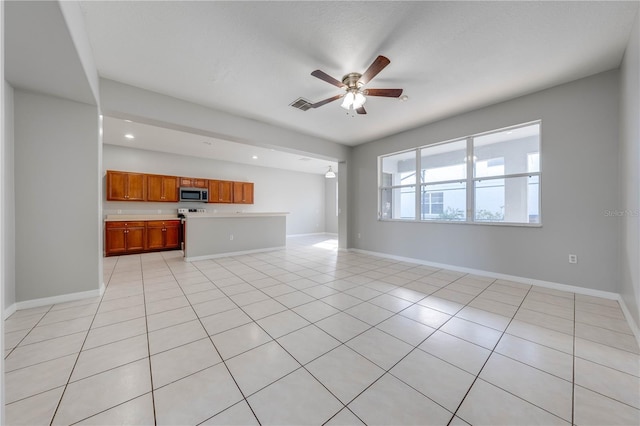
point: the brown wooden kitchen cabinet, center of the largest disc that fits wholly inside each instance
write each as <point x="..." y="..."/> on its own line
<point x="162" y="188"/>
<point x="220" y="191"/>
<point x="242" y="193"/>
<point x="124" y="186"/>
<point x="194" y="182"/>
<point x="124" y="238"/>
<point x="163" y="235"/>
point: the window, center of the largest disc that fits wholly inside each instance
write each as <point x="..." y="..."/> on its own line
<point x="492" y="177"/>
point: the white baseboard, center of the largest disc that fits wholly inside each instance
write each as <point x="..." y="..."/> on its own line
<point x="523" y="280"/>
<point x="309" y="235"/>
<point x="9" y="311"/>
<point x="35" y="303"/>
<point x="233" y="253"/>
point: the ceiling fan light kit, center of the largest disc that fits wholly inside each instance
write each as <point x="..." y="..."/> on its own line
<point x="354" y="95"/>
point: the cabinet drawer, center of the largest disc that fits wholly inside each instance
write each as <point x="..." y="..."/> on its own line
<point x="124" y="224"/>
<point x="161" y="223"/>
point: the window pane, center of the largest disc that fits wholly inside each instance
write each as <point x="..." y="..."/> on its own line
<point x="444" y="162"/>
<point x="444" y="201"/>
<point x="399" y="169"/>
<point x="512" y="200"/>
<point x="508" y="152"/>
<point x="398" y="203"/>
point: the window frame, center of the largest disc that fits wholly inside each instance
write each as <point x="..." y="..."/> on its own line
<point x="470" y="181"/>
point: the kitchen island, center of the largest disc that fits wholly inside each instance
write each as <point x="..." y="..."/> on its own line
<point x="211" y="235"/>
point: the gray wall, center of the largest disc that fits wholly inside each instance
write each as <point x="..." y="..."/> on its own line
<point x="56" y="163"/>
<point x="275" y="190"/>
<point x="579" y="182"/>
<point x="629" y="176"/>
<point x="8" y="203"/>
<point x="330" y="202"/>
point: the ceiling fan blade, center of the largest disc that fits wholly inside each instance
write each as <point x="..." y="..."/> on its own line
<point x="326" y="77"/>
<point x="389" y="93"/>
<point x="373" y="70"/>
<point x="326" y="101"/>
<point x="361" y="110"/>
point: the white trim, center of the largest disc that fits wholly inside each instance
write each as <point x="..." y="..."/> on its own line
<point x="9" y="311"/>
<point x="306" y="235"/>
<point x="540" y="283"/>
<point x="629" y="317"/>
<point x="232" y="253"/>
<point x="35" y="303"/>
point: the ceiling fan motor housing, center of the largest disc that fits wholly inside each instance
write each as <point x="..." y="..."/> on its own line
<point x="351" y="80"/>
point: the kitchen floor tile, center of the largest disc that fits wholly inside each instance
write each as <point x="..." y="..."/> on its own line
<point x="177" y="335"/>
<point x="138" y="411"/>
<point x="239" y="414"/>
<point x="344" y="418"/>
<point x="315" y="311"/>
<point x="35" y="353"/>
<point x="408" y="330"/>
<point x="541" y="389"/>
<point x="606" y="381"/>
<point x="197" y="397"/>
<point x="343" y="326"/>
<point x="594" y="409"/>
<point x="626" y="342"/>
<point x="617" y="359"/>
<point x="344" y="372"/>
<point x="371" y="314"/>
<point x="102" y="358"/>
<point x="35" y="410"/>
<point x="32" y="380"/>
<point x="282" y="323"/>
<point x="462" y="354"/>
<point x="426" y="316"/>
<point x="89" y="396"/>
<point x="259" y="367"/>
<point x="297" y="399"/>
<point x="390" y="303"/>
<point x="224" y="321"/>
<point x="240" y="339"/>
<point x="308" y="343"/>
<point x="438" y="380"/>
<point x="174" y="364"/>
<point x="113" y="333"/>
<point x="171" y="317"/>
<point x="58" y="329"/>
<point x="487" y="404"/>
<point x="442" y="305"/>
<point x="379" y="347"/>
<point x="391" y="402"/>
<point x="543" y="336"/>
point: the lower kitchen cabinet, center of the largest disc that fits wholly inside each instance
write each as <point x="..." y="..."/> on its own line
<point x="163" y="235"/>
<point x="142" y="236"/>
<point x="124" y="237"/>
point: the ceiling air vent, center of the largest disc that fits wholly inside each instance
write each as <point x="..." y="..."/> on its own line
<point x="301" y="104"/>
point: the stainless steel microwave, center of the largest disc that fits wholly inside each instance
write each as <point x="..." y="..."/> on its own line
<point x="194" y="194"/>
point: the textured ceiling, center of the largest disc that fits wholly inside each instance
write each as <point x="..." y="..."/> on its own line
<point x="254" y="58"/>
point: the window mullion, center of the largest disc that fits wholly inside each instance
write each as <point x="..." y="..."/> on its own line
<point x="418" y="185"/>
<point x="470" y="183"/>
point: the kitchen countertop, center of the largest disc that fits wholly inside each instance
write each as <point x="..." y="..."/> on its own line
<point x="233" y="214"/>
<point x="138" y="217"/>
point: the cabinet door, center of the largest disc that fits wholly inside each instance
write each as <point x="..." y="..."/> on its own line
<point x="116" y="186"/>
<point x="220" y="191"/>
<point x="115" y="241"/>
<point x="200" y="183"/>
<point x="186" y="182"/>
<point x="135" y="239"/>
<point x="243" y="192"/>
<point x="155" y="237"/>
<point x="172" y="234"/>
<point x="136" y="186"/>
<point x="170" y="188"/>
<point x="155" y="188"/>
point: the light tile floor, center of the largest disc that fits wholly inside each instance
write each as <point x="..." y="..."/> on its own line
<point x="311" y="335"/>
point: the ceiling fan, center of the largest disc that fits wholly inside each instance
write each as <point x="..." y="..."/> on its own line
<point x="353" y="84"/>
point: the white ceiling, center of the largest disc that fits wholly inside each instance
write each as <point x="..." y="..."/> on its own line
<point x="155" y="138"/>
<point x="254" y="58"/>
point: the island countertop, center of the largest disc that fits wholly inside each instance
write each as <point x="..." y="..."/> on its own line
<point x="233" y="214"/>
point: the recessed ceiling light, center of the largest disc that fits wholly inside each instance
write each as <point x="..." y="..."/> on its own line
<point x="255" y="157"/>
<point x="206" y="143"/>
<point x="129" y="136"/>
<point x="128" y="121"/>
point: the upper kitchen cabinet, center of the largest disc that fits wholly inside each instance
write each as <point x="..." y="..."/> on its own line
<point x="220" y="191"/>
<point x="123" y="186"/>
<point x="243" y="192"/>
<point x="194" y="182"/>
<point x="162" y="188"/>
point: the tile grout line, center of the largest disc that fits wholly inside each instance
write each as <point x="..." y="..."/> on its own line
<point x="146" y="326"/>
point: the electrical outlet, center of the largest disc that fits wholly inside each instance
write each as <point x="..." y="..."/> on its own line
<point x="573" y="258"/>
<point x="231" y="237"/>
<point x="358" y="235"/>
